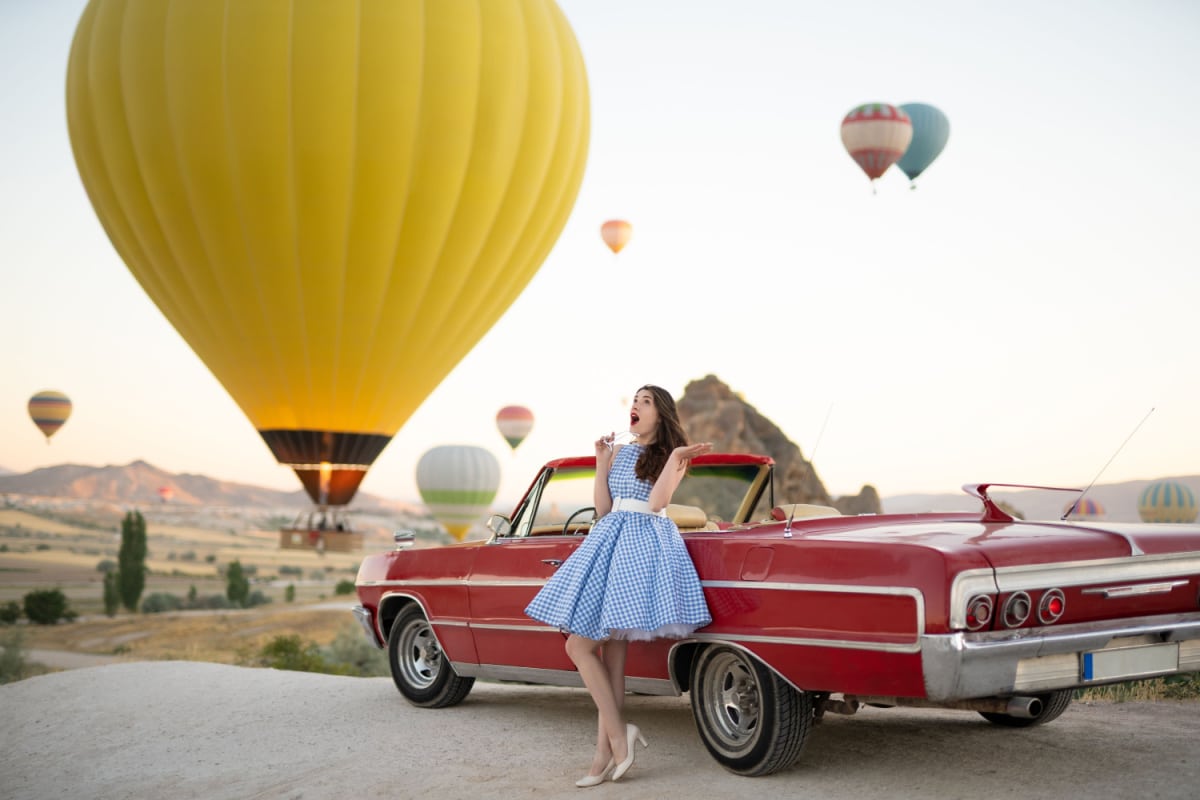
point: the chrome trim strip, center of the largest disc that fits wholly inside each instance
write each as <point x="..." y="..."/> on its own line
<point x="555" y="677"/>
<point x="419" y="582"/>
<point x="1081" y="573"/>
<point x="730" y="638"/>
<point x="1134" y="590"/>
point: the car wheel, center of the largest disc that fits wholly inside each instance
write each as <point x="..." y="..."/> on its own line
<point x="1053" y="705"/>
<point x="419" y="667"/>
<point x="752" y="721"/>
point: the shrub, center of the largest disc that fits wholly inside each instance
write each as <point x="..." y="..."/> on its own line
<point x="350" y="649"/>
<point x="286" y="570"/>
<point x="344" y="587"/>
<point x="289" y="652"/>
<point x="289" y="594"/>
<point x="12" y="658"/>
<point x="10" y="612"/>
<point x="159" y="602"/>
<point x="106" y="565"/>
<point x="212" y="601"/>
<point x="256" y="598"/>
<point x="47" y="606"/>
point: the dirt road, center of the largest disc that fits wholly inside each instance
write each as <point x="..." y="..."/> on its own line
<point x="197" y="730"/>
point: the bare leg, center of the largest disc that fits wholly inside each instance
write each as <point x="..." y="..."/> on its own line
<point x="612" y="653"/>
<point x="595" y="673"/>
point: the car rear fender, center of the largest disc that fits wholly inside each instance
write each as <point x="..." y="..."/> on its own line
<point x="684" y="653"/>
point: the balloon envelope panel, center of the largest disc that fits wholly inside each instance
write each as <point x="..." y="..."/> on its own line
<point x="331" y="202"/>
<point x="458" y="483"/>
<point x="49" y="410"/>
<point x="931" y="131"/>
<point x="1167" y="501"/>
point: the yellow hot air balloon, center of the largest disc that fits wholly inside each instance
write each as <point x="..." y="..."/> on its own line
<point x="458" y="482"/>
<point x="331" y="202"/>
<point x="49" y="410"/>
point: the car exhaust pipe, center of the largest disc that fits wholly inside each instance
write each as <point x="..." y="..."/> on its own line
<point x="1024" y="707"/>
<point x="1021" y="707"/>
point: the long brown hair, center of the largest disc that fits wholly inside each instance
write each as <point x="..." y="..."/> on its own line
<point x="668" y="436"/>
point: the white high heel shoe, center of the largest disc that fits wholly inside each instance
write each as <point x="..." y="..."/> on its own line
<point x="595" y="780"/>
<point x="632" y="734"/>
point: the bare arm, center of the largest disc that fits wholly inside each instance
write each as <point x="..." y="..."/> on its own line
<point x="673" y="472"/>
<point x="601" y="497"/>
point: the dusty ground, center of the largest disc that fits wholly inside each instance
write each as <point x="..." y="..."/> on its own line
<point x="200" y="730"/>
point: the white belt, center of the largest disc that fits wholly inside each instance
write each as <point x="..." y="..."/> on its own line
<point x="638" y="506"/>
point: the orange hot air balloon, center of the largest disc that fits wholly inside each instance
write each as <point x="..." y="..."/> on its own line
<point x="616" y="234"/>
<point x="332" y="202"/>
<point x="876" y="135"/>
<point x="49" y="410"/>
<point x="515" y="423"/>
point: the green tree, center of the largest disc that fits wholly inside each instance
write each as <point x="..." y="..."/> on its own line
<point x="131" y="560"/>
<point x="112" y="595"/>
<point x="237" y="586"/>
<point x="289" y="594"/>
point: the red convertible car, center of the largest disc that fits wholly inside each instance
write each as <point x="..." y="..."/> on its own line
<point x="813" y="612"/>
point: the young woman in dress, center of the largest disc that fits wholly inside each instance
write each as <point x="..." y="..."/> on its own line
<point x="632" y="578"/>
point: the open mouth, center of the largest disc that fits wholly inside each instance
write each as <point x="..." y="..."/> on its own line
<point x="633" y="420"/>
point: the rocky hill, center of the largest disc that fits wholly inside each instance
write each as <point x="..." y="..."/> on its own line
<point x="711" y="412"/>
<point x="142" y="483"/>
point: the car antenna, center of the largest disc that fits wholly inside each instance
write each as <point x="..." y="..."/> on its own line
<point x="787" y="529"/>
<point x="1083" y="494"/>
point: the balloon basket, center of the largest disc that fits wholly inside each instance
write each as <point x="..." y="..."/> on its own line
<point x="320" y="532"/>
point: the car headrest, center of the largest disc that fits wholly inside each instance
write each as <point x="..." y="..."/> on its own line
<point x="687" y="516"/>
<point x="802" y="510"/>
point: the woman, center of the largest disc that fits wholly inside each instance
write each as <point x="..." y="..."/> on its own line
<point x="632" y="578"/>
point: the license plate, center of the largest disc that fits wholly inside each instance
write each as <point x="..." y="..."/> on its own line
<point x="1130" y="662"/>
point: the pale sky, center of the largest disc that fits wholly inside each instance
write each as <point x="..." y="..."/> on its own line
<point x="1013" y="319"/>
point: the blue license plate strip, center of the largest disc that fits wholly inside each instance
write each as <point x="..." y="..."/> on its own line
<point x="1125" y="663"/>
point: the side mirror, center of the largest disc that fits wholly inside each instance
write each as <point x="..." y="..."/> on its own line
<point x="404" y="539"/>
<point x="499" y="525"/>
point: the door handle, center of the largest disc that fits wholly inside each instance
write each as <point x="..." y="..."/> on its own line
<point x="554" y="562"/>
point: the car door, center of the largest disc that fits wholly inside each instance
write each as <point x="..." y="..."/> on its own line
<point x="510" y="570"/>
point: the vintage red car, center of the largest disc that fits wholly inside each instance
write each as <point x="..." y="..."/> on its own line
<point x="813" y="612"/>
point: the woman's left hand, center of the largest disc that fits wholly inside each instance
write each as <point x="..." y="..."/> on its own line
<point x="682" y="455"/>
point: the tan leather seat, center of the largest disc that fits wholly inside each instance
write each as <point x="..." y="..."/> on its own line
<point x="802" y="510"/>
<point x="690" y="518"/>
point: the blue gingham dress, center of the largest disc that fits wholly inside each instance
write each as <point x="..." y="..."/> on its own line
<point x="632" y="577"/>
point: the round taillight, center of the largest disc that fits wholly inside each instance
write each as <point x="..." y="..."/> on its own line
<point x="979" y="612"/>
<point x="1052" y="606"/>
<point x="1016" y="610"/>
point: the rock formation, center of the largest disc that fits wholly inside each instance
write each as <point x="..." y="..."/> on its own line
<point x="711" y="412"/>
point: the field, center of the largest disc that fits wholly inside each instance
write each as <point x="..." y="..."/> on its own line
<point x="64" y="547"/>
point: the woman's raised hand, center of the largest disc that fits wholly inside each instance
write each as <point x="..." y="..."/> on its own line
<point x="681" y="455"/>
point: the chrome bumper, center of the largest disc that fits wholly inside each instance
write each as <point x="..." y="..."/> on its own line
<point x="968" y="665"/>
<point x="365" y="619"/>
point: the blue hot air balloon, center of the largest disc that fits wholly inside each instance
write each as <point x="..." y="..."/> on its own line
<point x="930" y="130"/>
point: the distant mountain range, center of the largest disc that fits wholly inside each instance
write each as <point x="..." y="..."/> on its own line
<point x="1119" y="500"/>
<point x="142" y="483"/>
<point x="139" y="482"/>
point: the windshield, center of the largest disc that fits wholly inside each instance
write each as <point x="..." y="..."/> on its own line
<point x="565" y="494"/>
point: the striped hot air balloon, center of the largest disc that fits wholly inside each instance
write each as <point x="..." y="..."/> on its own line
<point x="458" y="484"/>
<point x="49" y="410"/>
<point x="931" y="130"/>
<point x="1085" y="508"/>
<point x="616" y="233"/>
<point x="1167" y="501"/>
<point x="876" y="135"/>
<point x="515" y="423"/>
